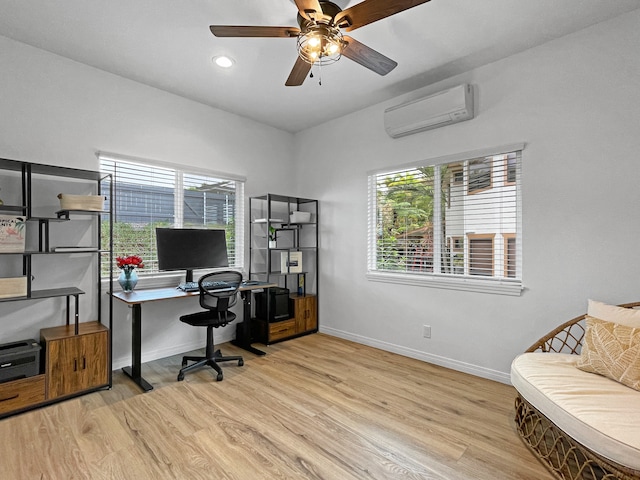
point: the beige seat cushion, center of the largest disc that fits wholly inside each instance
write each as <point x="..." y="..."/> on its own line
<point x="601" y="414"/>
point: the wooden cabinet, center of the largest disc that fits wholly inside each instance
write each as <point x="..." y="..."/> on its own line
<point x="74" y="363"/>
<point x="304" y="319"/>
<point x="305" y="309"/>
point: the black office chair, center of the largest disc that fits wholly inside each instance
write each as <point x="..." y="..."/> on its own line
<point x="217" y="295"/>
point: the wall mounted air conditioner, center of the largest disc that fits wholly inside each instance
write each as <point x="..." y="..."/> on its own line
<point x="443" y="108"/>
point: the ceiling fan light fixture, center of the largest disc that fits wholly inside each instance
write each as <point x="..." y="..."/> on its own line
<point x="320" y="44"/>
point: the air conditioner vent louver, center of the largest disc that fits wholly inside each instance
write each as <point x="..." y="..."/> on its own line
<point x="443" y="108"/>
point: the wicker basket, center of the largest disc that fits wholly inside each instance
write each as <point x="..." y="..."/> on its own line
<point x="13" y="287"/>
<point x="93" y="203"/>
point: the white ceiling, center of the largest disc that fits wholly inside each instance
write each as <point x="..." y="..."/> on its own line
<point x="167" y="44"/>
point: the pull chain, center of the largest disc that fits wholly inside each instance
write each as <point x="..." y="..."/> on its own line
<point x="319" y="74"/>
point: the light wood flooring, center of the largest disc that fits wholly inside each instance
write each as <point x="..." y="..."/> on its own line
<point x="316" y="407"/>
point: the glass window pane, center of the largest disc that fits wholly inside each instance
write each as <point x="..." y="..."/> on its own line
<point x="448" y="218"/>
<point x="147" y="197"/>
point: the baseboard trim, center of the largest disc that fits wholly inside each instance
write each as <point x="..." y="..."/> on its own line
<point x="502" y="377"/>
<point x="451" y="363"/>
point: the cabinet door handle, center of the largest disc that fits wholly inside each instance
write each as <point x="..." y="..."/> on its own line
<point x="9" y="398"/>
<point x="84" y="363"/>
<point x="75" y="364"/>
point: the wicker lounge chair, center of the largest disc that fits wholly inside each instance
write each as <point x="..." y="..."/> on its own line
<point x="561" y="454"/>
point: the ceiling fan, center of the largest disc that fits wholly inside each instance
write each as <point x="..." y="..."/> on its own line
<point x="319" y="38"/>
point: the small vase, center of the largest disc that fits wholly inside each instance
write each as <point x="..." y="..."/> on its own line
<point x="128" y="279"/>
<point x="272" y="244"/>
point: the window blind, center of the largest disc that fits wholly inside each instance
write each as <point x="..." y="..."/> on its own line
<point x="454" y="219"/>
<point x="148" y="195"/>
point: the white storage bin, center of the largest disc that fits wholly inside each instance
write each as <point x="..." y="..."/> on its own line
<point x="300" y="217"/>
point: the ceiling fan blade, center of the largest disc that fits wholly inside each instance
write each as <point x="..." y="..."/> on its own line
<point x="307" y="6"/>
<point x="253" y="31"/>
<point x="367" y="57"/>
<point x="298" y="73"/>
<point x="370" y="11"/>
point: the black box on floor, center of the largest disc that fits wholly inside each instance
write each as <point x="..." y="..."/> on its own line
<point x="19" y="360"/>
<point x="278" y="304"/>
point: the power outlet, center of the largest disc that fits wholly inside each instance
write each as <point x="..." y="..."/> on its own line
<point x="426" y="331"/>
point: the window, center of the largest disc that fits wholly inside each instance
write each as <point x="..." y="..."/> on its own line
<point x="449" y="223"/>
<point x="149" y="195"/>
<point x="510" y="165"/>
<point x="509" y="255"/>
<point x="481" y="255"/>
<point x="457" y="173"/>
<point x="458" y="244"/>
<point x="480" y="174"/>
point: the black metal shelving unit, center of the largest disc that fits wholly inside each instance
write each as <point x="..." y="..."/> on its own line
<point x="24" y="207"/>
<point x="271" y="216"/>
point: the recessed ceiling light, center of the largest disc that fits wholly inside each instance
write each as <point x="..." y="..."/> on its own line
<point x="223" y="61"/>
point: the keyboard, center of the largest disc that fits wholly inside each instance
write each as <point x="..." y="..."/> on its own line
<point x="193" y="286"/>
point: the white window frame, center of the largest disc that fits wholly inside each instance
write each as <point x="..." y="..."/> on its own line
<point x="492" y="285"/>
<point x="163" y="279"/>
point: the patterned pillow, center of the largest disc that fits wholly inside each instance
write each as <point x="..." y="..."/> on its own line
<point x="612" y="350"/>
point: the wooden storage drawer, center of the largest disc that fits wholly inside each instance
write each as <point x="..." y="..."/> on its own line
<point x="21" y="393"/>
<point x="279" y="330"/>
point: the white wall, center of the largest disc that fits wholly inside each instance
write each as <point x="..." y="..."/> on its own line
<point x="60" y="112"/>
<point x="575" y="103"/>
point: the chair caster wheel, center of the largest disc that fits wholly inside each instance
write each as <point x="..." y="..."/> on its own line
<point x="180" y="377"/>
<point x="219" y="377"/>
<point x="240" y="362"/>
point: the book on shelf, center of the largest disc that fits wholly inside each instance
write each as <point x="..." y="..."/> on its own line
<point x="272" y="220"/>
<point x="12" y="234"/>
<point x="72" y="249"/>
<point x="13" y="287"/>
<point x="291" y="262"/>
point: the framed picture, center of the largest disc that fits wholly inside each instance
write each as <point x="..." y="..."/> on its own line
<point x="12" y="234"/>
<point x="291" y="262"/>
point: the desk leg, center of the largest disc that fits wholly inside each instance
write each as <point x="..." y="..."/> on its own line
<point x="135" y="370"/>
<point x="243" y="331"/>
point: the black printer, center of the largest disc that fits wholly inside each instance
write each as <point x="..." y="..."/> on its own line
<point x="19" y="360"/>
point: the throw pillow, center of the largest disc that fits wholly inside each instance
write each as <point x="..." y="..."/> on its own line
<point x="612" y="350"/>
<point x="612" y="313"/>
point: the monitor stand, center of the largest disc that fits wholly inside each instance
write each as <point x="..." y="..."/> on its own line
<point x="189" y="276"/>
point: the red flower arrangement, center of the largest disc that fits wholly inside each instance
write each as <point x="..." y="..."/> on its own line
<point x="130" y="262"/>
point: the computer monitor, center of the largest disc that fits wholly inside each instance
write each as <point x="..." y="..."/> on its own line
<point x="191" y="248"/>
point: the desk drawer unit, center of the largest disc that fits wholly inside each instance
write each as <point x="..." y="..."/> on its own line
<point x="21" y="393"/>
